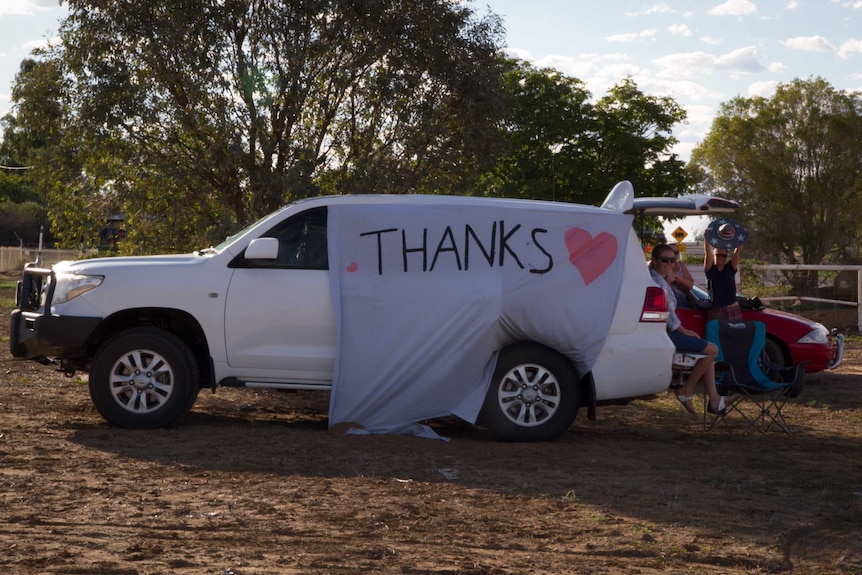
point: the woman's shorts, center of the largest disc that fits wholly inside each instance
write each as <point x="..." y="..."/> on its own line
<point x="687" y="343"/>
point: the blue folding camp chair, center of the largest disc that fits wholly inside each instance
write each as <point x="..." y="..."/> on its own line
<point x="739" y="371"/>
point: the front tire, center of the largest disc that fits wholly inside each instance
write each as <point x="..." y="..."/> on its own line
<point x="773" y="355"/>
<point x="144" y="378"/>
<point x="533" y="395"/>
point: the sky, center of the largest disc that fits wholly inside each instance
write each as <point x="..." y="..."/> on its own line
<point x="699" y="52"/>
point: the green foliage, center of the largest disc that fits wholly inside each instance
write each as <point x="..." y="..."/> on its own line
<point x="195" y="117"/>
<point x="19" y="223"/>
<point x="635" y="142"/>
<point x="793" y="162"/>
<point x="562" y="147"/>
<point x="34" y="136"/>
<point x="547" y="127"/>
<point x="16" y="186"/>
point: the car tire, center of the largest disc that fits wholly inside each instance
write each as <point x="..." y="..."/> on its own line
<point x="144" y="378"/>
<point x="773" y="355"/>
<point x="533" y="395"/>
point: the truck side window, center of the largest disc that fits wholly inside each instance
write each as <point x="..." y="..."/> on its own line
<point x="301" y="242"/>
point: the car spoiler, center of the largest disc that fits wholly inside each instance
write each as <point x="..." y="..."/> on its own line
<point x="687" y="205"/>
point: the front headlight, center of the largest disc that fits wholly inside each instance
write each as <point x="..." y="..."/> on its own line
<point x="70" y="286"/>
<point x="818" y="335"/>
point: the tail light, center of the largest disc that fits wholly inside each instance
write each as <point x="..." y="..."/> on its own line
<point x="655" y="305"/>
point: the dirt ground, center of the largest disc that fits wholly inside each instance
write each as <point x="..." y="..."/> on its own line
<point x="254" y="483"/>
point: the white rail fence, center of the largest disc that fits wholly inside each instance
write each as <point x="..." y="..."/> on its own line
<point x="857" y="303"/>
<point x="13" y="258"/>
<point x="694" y="253"/>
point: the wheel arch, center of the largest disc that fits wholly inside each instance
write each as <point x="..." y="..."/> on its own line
<point x="779" y="344"/>
<point x="178" y="322"/>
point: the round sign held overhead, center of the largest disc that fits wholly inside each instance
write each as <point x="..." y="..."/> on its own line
<point x="725" y="233"/>
<point x="679" y="234"/>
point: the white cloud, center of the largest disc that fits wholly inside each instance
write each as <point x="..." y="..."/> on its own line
<point x="578" y="67"/>
<point x="678" y="89"/>
<point x="518" y="53"/>
<point x="710" y="40"/>
<point x="809" y="44"/>
<point x="685" y="64"/>
<point x="763" y="89"/>
<point x="25" y="7"/>
<point x="31" y="45"/>
<point x="734" y="8"/>
<point x="743" y="60"/>
<point x="632" y="36"/>
<point x="849" y="48"/>
<point x="691" y="64"/>
<point x="792" y="5"/>
<point x="679" y="30"/>
<point x="623" y="38"/>
<point x="654" y="9"/>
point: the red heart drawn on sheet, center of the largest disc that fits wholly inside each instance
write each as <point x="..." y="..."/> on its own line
<point x="353" y="267"/>
<point x="592" y="256"/>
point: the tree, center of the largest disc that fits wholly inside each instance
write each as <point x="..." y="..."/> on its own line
<point x="31" y="136"/>
<point x="549" y="130"/>
<point x="793" y="162"/>
<point x="562" y="147"/>
<point x="200" y="115"/>
<point x="636" y="141"/>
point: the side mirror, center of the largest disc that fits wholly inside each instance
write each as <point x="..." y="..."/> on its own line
<point x="262" y="249"/>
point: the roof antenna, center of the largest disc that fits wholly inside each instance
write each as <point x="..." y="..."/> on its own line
<point x="39" y="253"/>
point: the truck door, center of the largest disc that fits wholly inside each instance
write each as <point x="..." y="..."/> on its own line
<point x="279" y="313"/>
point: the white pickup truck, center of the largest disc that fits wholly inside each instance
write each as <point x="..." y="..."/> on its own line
<point x="263" y="310"/>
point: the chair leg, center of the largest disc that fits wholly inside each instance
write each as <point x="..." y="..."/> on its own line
<point x="710" y="420"/>
<point x="768" y="407"/>
<point x="776" y="401"/>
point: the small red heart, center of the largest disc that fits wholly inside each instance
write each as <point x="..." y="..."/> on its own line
<point x="592" y="256"/>
<point x="353" y="267"/>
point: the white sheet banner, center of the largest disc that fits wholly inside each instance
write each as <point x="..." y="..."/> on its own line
<point x="424" y="295"/>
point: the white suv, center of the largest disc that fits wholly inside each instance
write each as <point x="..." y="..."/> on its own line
<point x="509" y="313"/>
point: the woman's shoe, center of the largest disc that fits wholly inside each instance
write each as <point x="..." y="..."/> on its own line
<point x="685" y="400"/>
<point x="720" y="410"/>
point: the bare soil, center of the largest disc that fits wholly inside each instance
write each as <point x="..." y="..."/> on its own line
<point x="255" y="483"/>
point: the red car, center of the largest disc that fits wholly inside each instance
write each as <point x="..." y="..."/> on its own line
<point x="790" y="339"/>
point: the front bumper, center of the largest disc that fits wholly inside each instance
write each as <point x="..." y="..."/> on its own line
<point x="839" y="351"/>
<point x="35" y="336"/>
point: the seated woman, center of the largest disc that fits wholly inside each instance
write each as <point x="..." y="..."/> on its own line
<point x="680" y="281"/>
<point x="684" y="340"/>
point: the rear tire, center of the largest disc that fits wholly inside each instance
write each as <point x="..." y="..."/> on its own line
<point x="533" y="395"/>
<point x="144" y="378"/>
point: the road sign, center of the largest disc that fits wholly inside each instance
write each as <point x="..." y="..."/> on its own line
<point x="679" y="234"/>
